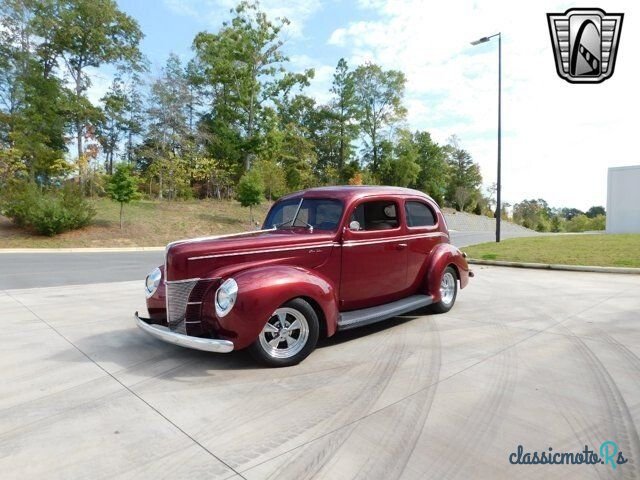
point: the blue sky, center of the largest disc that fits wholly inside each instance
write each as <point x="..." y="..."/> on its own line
<point x="170" y="26"/>
<point x="558" y="138"/>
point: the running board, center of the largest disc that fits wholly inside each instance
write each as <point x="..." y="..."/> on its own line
<point x="365" y="316"/>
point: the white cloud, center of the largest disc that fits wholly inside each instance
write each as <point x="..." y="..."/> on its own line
<point x="321" y="83"/>
<point x="558" y="138"/>
<point x="100" y="82"/>
<point x="213" y="12"/>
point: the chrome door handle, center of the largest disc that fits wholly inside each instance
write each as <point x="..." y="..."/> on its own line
<point x="401" y="246"/>
<point x="315" y="250"/>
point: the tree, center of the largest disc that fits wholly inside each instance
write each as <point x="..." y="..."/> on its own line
<point x="114" y="121"/>
<point x="123" y="187"/>
<point x="556" y="224"/>
<point x="90" y="34"/>
<point x="400" y="167"/>
<point x="463" y="172"/>
<point x="168" y="139"/>
<point x="378" y="97"/>
<point x="569" y="213"/>
<point x="534" y="214"/>
<point x="33" y="103"/>
<point x="432" y="161"/>
<point x="250" y="190"/>
<point x="461" y="197"/>
<point x="242" y="64"/>
<point x="273" y="178"/>
<point x="344" y="108"/>
<point x="594" y="211"/>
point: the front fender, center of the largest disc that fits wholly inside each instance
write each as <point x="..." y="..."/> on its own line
<point x="442" y="256"/>
<point x="263" y="289"/>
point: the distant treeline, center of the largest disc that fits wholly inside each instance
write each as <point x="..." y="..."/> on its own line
<point x="200" y="126"/>
<point x="235" y="109"/>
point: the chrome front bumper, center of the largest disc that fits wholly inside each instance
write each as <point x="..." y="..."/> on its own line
<point x="197" y="343"/>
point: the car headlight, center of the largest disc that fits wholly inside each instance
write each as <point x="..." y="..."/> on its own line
<point x="226" y="297"/>
<point x="152" y="281"/>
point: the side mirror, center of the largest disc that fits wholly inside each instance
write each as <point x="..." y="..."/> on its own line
<point x="354" y="225"/>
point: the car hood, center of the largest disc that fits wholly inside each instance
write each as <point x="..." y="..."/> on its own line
<point x="219" y="256"/>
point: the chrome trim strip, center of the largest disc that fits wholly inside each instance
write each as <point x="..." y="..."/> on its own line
<point x="266" y="250"/>
<point x="183" y="281"/>
<point x="202" y="239"/>
<point x="216" y="237"/>
<point x="197" y="343"/>
<point x="194" y="303"/>
<point x="356" y="243"/>
<point x="365" y="316"/>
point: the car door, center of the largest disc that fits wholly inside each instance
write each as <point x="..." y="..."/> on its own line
<point x="374" y="255"/>
<point x="424" y="234"/>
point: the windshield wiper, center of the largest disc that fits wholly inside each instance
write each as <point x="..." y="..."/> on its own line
<point x="307" y="225"/>
<point x="293" y="220"/>
<point x="278" y="225"/>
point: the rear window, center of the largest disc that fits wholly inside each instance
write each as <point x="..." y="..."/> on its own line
<point x="419" y="215"/>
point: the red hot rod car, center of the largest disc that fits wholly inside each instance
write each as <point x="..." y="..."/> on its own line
<point x="327" y="259"/>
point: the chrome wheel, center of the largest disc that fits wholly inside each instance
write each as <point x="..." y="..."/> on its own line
<point x="285" y="334"/>
<point x="447" y="288"/>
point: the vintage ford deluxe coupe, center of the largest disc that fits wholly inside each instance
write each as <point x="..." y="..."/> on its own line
<point x="327" y="259"/>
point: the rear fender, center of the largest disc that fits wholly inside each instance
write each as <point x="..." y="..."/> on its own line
<point x="263" y="289"/>
<point x="442" y="256"/>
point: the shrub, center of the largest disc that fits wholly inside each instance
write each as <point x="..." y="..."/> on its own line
<point x="47" y="212"/>
<point x="123" y="187"/>
<point x="250" y="190"/>
<point x="582" y="223"/>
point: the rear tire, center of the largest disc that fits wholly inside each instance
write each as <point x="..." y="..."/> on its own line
<point x="448" y="291"/>
<point x="289" y="336"/>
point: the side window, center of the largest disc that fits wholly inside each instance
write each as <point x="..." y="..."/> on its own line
<point x="376" y="215"/>
<point x="419" y="215"/>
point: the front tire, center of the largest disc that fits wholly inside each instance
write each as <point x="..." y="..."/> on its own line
<point x="448" y="291"/>
<point x="289" y="336"/>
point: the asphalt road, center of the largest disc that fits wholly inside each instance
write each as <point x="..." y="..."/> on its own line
<point x="533" y="358"/>
<point x="28" y="270"/>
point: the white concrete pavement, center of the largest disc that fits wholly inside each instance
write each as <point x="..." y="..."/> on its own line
<point x="533" y="358"/>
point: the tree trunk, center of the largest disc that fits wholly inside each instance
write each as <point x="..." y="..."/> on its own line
<point x="129" y="147"/>
<point x="121" y="208"/>
<point x="251" y="215"/>
<point x="375" y="150"/>
<point x="80" y="160"/>
<point x="341" y="159"/>
<point x="78" y="125"/>
<point x="247" y="158"/>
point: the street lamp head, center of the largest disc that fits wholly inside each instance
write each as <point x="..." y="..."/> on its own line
<point x="480" y="40"/>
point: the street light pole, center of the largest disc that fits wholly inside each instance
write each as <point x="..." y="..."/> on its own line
<point x="498" y="213"/>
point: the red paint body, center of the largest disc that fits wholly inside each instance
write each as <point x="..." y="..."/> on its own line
<point x="335" y="271"/>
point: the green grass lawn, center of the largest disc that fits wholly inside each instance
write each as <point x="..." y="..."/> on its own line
<point x="599" y="250"/>
<point x="146" y="224"/>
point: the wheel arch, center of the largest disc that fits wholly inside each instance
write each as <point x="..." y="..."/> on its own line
<point x="262" y="290"/>
<point x="443" y="256"/>
<point x="322" y="319"/>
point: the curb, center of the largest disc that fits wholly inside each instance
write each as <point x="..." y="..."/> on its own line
<point x="546" y="266"/>
<point x="81" y="250"/>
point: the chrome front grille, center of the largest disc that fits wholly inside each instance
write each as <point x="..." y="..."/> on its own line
<point x="177" y="298"/>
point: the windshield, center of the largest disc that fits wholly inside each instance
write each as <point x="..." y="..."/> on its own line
<point x="319" y="213"/>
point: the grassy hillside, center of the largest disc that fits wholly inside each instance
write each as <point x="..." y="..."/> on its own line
<point x="600" y="250"/>
<point x="147" y="223"/>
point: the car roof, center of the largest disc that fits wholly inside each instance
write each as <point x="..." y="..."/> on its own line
<point x="353" y="192"/>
